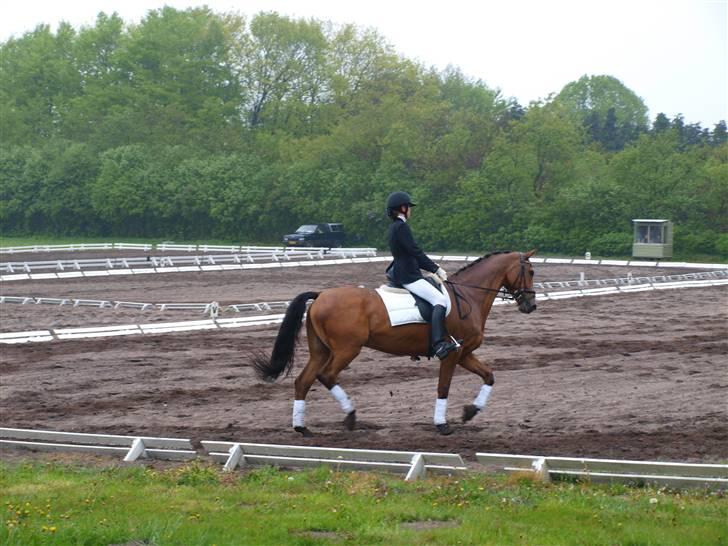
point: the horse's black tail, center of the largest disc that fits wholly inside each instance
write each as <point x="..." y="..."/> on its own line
<point x="284" y="348"/>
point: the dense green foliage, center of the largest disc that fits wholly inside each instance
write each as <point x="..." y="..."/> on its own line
<point x="194" y="124"/>
<point x="198" y="504"/>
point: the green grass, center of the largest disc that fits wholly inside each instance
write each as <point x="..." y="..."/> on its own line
<point x="53" y="503"/>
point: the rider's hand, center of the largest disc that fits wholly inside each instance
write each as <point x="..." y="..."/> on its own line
<point x="441" y="273"/>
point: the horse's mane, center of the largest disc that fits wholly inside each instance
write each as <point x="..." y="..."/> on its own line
<point x="471" y="264"/>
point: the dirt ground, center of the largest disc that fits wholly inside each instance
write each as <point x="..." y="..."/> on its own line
<point x="638" y="376"/>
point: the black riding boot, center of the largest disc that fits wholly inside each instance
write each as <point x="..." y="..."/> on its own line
<point x="438" y="333"/>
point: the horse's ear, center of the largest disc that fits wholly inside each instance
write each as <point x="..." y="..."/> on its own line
<point x="531" y="253"/>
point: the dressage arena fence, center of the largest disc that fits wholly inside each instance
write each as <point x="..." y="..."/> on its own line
<point x="162" y="262"/>
<point x="213" y="309"/>
<point x="160" y="247"/>
<point x="265" y="320"/>
<point x="100" y="267"/>
<point x="412" y="464"/>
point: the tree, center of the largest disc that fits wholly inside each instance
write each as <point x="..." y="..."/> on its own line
<point x="591" y="98"/>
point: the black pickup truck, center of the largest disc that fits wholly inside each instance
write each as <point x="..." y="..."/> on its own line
<point x="321" y="235"/>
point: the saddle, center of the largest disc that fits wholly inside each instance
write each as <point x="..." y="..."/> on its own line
<point x="423" y="306"/>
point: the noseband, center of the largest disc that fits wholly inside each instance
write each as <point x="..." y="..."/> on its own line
<point x="520" y="293"/>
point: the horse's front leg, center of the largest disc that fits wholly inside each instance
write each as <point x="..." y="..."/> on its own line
<point x="447" y="368"/>
<point x="484" y="371"/>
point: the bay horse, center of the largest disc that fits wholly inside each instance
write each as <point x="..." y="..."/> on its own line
<point x="343" y="320"/>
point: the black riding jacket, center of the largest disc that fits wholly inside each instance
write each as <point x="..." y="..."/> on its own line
<point x="408" y="257"/>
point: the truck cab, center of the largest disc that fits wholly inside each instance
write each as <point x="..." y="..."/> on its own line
<point x="326" y="235"/>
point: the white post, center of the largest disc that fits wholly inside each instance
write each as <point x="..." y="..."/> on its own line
<point x="417" y="470"/>
<point x="135" y="451"/>
<point x="235" y="457"/>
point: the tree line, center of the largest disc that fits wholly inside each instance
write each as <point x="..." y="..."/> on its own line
<point x="196" y="124"/>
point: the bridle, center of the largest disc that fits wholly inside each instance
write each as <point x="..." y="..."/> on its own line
<point x="519" y="294"/>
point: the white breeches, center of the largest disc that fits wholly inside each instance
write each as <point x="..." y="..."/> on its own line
<point x="428" y="292"/>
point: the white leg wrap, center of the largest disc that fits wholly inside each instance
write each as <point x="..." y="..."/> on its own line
<point x="440" y="411"/>
<point x="299" y="413"/>
<point x="482" y="397"/>
<point x="343" y="400"/>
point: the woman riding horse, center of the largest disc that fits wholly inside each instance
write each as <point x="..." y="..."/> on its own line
<point x="405" y="268"/>
<point x="343" y="320"/>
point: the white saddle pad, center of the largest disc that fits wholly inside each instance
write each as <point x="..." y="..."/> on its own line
<point x="400" y="305"/>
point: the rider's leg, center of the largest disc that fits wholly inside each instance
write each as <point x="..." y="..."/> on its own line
<point x="438" y="333"/>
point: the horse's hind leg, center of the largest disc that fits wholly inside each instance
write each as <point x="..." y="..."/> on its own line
<point x="319" y="356"/>
<point x="481" y="369"/>
<point x="328" y="377"/>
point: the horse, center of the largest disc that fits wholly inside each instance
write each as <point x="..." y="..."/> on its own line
<point x="343" y="320"/>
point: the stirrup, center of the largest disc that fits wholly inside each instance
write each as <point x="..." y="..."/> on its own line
<point x="444" y="348"/>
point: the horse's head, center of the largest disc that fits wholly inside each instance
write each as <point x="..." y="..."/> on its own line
<point x="519" y="282"/>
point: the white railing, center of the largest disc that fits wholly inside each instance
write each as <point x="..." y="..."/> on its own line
<point x="260" y="320"/>
<point x="625" y="284"/>
<point x="74" y="247"/>
<point x="142" y="262"/>
<point x="173" y="265"/>
<point x="675" y="475"/>
<point x="412" y="464"/>
<point x="131" y="447"/>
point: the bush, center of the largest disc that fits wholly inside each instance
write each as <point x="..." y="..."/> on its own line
<point x="689" y="240"/>
<point x="612" y="244"/>
<point x="721" y="245"/>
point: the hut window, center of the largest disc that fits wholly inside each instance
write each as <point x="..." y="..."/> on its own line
<point x="649" y="234"/>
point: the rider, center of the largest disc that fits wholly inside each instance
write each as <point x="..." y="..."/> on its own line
<point x="405" y="269"/>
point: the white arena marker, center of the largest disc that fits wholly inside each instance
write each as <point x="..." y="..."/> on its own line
<point x="102" y="273"/>
<point x="15" y="277"/>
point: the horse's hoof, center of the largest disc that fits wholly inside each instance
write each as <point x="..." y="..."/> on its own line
<point x="444" y="429"/>
<point x="304" y="431"/>
<point x="350" y="420"/>
<point x="470" y="411"/>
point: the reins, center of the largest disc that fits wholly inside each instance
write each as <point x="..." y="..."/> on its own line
<point x="517" y="295"/>
<point x="458" y="296"/>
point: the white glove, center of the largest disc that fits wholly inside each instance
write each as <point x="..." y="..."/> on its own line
<point x="441" y="273"/>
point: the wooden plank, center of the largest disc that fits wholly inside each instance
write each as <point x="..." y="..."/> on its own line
<point x="637" y="467"/>
<point x="307" y="462"/>
<point x="93" y="439"/>
<point x="672" y="481"/>
<point x="42" y="446"/>
<point x="503" y="460"/>
<point x="451" y="459"/>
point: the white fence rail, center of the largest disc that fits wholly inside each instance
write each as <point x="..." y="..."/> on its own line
<point x="205" y="308"/>
<point x="154" y="262"/>
<point x="675" y="475"/>
<point x="260" y="320"/>
<point x="314" y="261"/>
<point x="413" y="464"/>
<point x="74" y="247"/>
<point x="131" y="447"/>
<point x="624" y="284"/>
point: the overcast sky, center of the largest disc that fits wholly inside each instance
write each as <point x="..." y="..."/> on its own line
<point x="672" y="53"/>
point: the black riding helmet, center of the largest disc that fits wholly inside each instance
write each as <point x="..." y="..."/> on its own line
<point x="399" y="198"/>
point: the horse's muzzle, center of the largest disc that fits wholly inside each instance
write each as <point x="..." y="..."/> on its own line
<point x="526" y="300"/>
